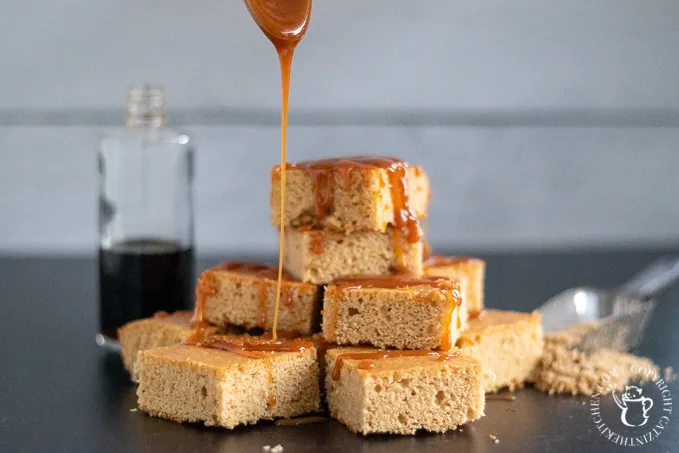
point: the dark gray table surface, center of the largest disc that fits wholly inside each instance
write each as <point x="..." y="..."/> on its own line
<point x="60" y="392"/>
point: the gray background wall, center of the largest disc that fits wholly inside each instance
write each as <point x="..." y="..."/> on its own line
<point x="542" y="124"/>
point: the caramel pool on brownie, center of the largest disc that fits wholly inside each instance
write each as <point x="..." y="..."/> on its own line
<point x="398" y="311"/>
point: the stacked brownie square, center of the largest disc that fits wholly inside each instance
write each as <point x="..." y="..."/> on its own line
<point x="405" y="341"/>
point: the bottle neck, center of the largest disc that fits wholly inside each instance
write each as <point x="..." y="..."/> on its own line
<point x="145" y="121"/>
<point x="145" y="106"/>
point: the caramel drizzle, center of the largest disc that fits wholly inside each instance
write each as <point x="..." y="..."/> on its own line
<point x="449" y="288"/>
<point x="368" y="358"/>
<point x="200" y="333"/>
<point x="271" y="399"/>
<point x="317" y="242"/>
<point x="284" y="23"/>
<point x="254" y="349"/>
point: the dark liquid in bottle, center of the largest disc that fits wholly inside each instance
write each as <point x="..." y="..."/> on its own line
<point x="140" y="277"/>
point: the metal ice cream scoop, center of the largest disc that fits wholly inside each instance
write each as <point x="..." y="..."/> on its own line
<point x="618" y="316"/>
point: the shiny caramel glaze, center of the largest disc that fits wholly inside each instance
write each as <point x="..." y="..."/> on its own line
<point x="284" y="22"/>
<point x="199" y="333"/>
<point x="449" y="288"/>
<point x="438" y="260"/>
<point x="368" y="358"/>
<point x="316" y="237"/>
<point x="253" y="348"/>
<point x="398" y="281"/>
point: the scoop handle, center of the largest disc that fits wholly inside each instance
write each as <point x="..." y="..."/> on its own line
<point x="654" y="278"/>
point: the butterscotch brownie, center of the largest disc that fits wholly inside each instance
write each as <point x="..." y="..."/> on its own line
<point x="228" y="387"/>
<point x="244" y="294"/>
<point x="507" y="343"/>
<point x="319" y="256"/>
<point x="470" y="272"/>
<point x="350" y="193"/>
<point x="162" y="329"/>
<point x="399" y="392"/>
<point x="393" y="311"/>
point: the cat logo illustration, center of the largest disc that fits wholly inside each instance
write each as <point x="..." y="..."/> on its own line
<point x="634" y="406"/>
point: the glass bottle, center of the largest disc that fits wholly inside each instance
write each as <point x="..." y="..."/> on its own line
<point x="145" y="216"/>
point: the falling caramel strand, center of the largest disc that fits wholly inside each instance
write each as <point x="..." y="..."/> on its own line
<point x="285" y="24"/>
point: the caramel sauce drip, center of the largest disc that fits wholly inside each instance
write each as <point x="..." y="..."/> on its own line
<point x="206" y="287"/>
<point x="447" y="338"/>
<point x="449" y="288"/>
<point x="199" y="333"/>
<point x="368" y="358"/>
<point x="284" y="22"/>
<point x="271" y="399"/>
<point x="317" y="242"/>
<point x="261" y="304"/>
<point x="437" y="260"/>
